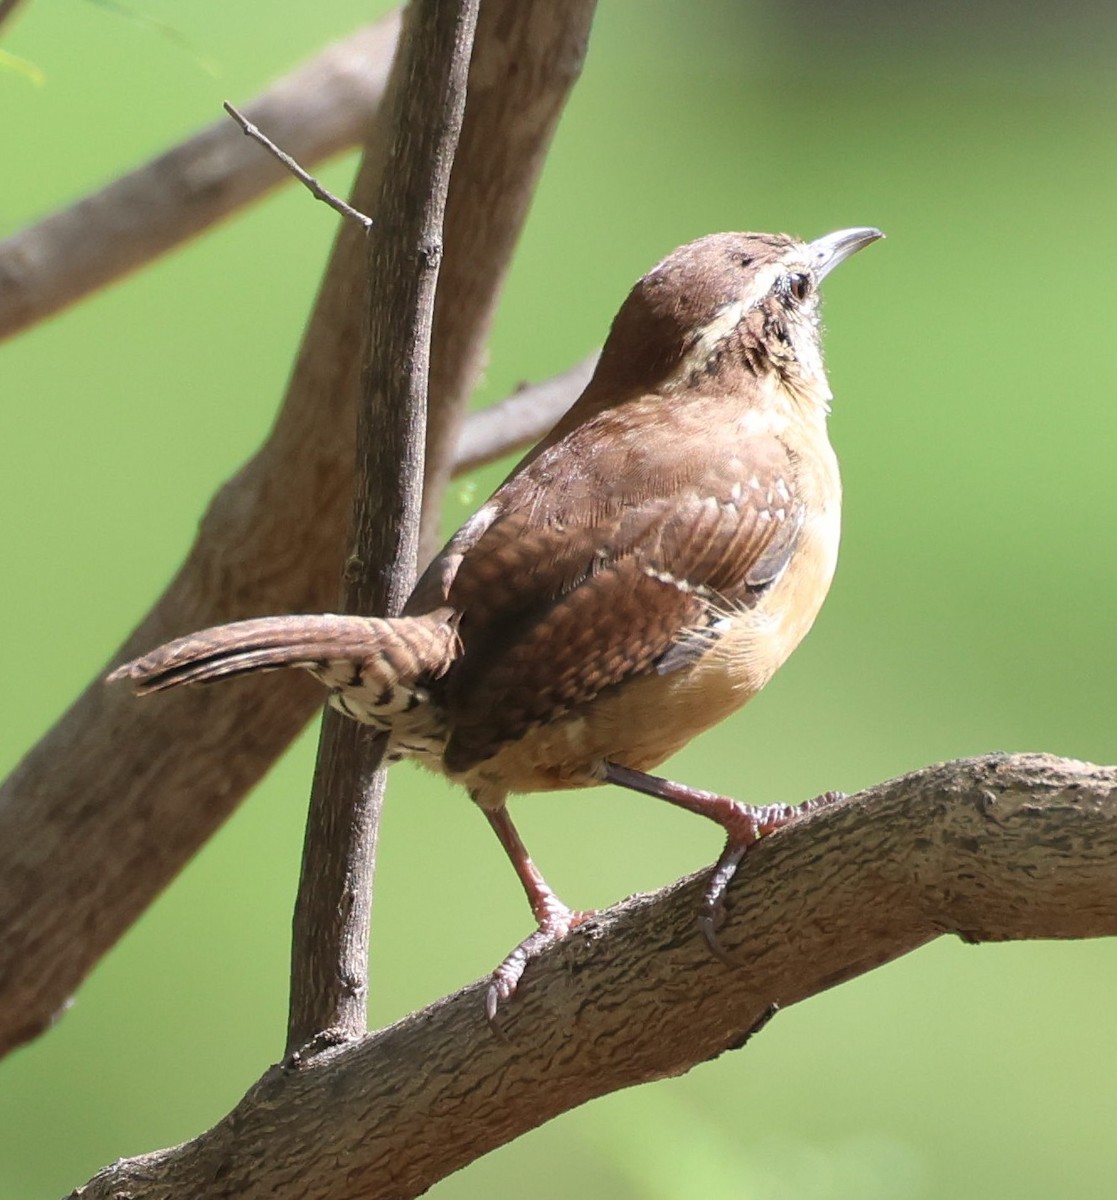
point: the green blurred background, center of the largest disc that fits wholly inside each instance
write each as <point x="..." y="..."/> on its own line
<point x="972" y="359"/>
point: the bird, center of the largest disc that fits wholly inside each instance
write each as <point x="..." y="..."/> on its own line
<point x="640" y="575"/>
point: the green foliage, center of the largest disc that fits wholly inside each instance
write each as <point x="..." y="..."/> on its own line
<point x="973" y="609"/>
<point x="15" y="65"/>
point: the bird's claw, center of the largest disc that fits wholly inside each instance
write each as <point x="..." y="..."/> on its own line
<point x="748" y="825"/>
<point x="711" y="915"/>
<point x="557" y="923"/>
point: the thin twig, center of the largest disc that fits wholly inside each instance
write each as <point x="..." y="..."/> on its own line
<point x="326" y="106"/>
<point x="329" y="952"/>
<point x="317" y="190"/>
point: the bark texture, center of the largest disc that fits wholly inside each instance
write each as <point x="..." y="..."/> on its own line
<point x="329" y="950"/>
<point x="993" y="848"/>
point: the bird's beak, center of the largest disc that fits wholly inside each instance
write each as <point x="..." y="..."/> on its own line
<point x="827" y="252"/>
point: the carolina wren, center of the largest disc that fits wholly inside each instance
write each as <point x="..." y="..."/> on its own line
<point x="640" y="575"/>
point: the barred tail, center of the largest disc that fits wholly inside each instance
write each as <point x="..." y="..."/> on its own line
<point x="340" y="650"/>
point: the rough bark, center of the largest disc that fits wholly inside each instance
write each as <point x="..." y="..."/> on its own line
<point x="993" y="848"/>
<point x="329" y="951"/>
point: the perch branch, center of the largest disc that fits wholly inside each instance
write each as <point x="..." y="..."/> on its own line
<point x="317" y="111"/>
<point x="989" y="848"/>
<point x="329" y="952"/>
<point x="106" y="809"/>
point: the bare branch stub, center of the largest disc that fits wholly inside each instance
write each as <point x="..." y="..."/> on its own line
<point x="325" y="106"/>
<point x="316" y="189"/>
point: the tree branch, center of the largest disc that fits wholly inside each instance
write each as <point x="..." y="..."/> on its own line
<point x="994" y="848"/>
<point x="317" y="111"/>
<point x="329" y="953"/>
<point x="115" y="799"/>
<point x="520" y="420"/>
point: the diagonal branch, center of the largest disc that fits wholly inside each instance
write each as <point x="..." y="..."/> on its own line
<point x="989" y="848"/>
<point x="329" y="954"/>
<point x="114" y="800"/>
<point x="317" y="111"/>
<point x="520" y="420"/>
<point x="304" y="177"/>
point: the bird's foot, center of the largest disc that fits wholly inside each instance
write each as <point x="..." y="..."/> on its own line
<point x="555" y="923"/>
<point x="745" y="825"/>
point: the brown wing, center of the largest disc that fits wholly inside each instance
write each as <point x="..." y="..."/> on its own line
<point x="574" y="588"/>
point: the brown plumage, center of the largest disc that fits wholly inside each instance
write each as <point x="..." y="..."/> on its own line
<point x="640" y="575"/>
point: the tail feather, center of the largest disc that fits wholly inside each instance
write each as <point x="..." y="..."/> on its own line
<point x="388" y="650"/>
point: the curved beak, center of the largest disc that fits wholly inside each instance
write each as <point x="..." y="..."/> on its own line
<point x="835" y="248"/>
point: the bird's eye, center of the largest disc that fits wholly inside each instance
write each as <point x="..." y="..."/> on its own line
<point x="799" y="286"/>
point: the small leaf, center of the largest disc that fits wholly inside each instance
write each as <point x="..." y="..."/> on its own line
<point x="12" y="62"/>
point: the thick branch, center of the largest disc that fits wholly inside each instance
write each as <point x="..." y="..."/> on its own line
<point x="329" y="954"/>
<point x="991" y="849"/>
<point x="107" y="808"/>
<point x="317" y="111"/>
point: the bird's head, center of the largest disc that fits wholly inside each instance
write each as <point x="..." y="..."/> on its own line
<point x="727" y="304"/>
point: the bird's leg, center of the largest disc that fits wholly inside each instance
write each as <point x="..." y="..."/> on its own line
<point x="554" y="919"/>
<point x="744" y="825"/>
